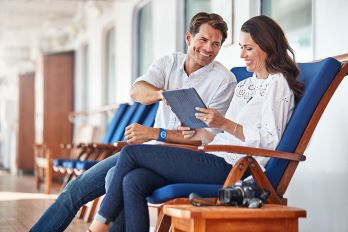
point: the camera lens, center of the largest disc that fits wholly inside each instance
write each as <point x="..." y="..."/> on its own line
<point x="231" y="196"/>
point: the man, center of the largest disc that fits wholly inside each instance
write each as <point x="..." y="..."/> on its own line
<point x="197" y="69"/>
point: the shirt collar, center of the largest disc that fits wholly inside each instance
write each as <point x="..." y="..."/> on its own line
<point x="206" y="68"/>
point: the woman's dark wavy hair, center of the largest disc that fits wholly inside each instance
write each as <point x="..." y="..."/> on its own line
<point x="271" y="39"/>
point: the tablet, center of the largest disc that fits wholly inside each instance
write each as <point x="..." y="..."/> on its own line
<point x="183" y="103"/>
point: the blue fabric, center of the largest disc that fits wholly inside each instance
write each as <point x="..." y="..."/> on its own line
<point x="316" y="77"/>
<point x="241" y="73"/>
<point x="118" y="134"/>
<point x="182" y="190"/>
<point x="69" y="164"/>
<point x="139" y="116"/>
<point x="150" y="117"/>
<point x="122" y="108"/>
<point x="58" y="162"/>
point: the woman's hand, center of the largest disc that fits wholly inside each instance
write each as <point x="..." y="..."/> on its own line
<point x="211" y="117"/>
<point x="199" y="134"/>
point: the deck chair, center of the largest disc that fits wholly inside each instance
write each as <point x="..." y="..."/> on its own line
<point x="143" y="114"/>
<point x="67" y="166"/>
<point x="321" y="79"/>
<point x="84" y="133"/>
<point x="44" y="164"/>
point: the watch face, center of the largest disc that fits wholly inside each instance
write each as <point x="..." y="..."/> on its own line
<point x="163" y="134"/>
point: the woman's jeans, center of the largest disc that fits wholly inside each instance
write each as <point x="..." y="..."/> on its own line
<point x="78" y="192"/>
<point x="140" y="169"/>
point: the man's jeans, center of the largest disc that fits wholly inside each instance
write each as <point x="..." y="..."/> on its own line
<point x="140" y="169"/>
<point x="78" y="192"/>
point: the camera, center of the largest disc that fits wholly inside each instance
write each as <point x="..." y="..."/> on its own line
<point x="242" y="194"/>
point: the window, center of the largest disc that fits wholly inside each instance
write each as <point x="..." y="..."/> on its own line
<point x="144" y="38"/>
<point x="110" y="82"/>
<point x="192" y="7"/>
<point x="85" y="77"/>
<point x="295" y="17"/>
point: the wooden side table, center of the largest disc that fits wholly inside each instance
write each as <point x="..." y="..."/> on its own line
<point x="215" y="219"/>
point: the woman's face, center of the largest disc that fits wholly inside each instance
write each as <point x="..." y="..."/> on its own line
<point x="253" y="55"/>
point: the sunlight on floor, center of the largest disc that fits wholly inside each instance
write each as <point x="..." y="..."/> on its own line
<point x="14" y="196"/>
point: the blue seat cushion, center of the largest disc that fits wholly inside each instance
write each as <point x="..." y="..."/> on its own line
<point x="58" y="162"/>
<point x="69" y="164"/>
<point x="84" y="165"/>
<point x="168" y="192"/>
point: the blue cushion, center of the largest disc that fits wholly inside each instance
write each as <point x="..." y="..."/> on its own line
<point x="118" y="134"/>
<point x="58" y="162"/>
<point x="114" y="122"/>
<point x="182" y="190"/>
<point x="139" y="115"/>
<point x="84" y="165"/>
<point x="241" y="73"/>
<point x="151" y="115"/>
<point x="316" y="77"/>
<point x="69" y="164"/>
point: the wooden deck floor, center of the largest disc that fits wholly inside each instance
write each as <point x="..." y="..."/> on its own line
<point x="21" y="205"/>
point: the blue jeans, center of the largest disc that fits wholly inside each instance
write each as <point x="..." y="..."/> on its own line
<point x="78" y="192"/>
<point x="141" y="169"/>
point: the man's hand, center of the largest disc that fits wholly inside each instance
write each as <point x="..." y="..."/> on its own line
<point x="136" y="133"/>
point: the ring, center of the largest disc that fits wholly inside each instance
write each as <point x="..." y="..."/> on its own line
<point x="205" y="118"/>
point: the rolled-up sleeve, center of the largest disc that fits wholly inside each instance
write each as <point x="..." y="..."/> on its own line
<point x="155" y="74"/>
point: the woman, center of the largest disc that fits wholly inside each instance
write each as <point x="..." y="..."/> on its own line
<point x="257" y="116"/>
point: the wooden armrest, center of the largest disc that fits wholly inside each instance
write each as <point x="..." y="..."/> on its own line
<point x="71" y="145"/>
<point x="103" y="146"/>
<point x="253" y="152"/>
<point x="46" y="146"/>
<point x="120" y="144"/>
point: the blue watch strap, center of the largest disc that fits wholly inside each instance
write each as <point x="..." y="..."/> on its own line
<point x="162" y="135"/>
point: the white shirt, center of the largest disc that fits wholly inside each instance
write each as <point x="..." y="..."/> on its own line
<point x="214" y="83"/>
<point x="263" y="107"/>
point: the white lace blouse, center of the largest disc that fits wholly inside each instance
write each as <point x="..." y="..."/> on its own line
<point x="263" y="107"/>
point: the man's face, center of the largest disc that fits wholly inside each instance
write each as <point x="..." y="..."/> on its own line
<point x="204" y="46"/>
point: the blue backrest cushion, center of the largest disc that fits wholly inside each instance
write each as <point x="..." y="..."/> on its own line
<point x="139" y="115"/>
<point x="118" y="134"/>
<point x="114" y="122"/>
<point x="151" y="115"/>
<point x="316" y="77"/>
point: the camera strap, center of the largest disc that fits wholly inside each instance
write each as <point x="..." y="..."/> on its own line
<point x="197" y="200"/>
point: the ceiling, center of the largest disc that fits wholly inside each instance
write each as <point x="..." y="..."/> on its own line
<point x="43" y="24"/>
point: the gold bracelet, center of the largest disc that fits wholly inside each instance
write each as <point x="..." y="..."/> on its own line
<point x="235" y="128"/>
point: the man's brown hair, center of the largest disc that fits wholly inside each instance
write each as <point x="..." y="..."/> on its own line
<point x="214" y="20"/>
